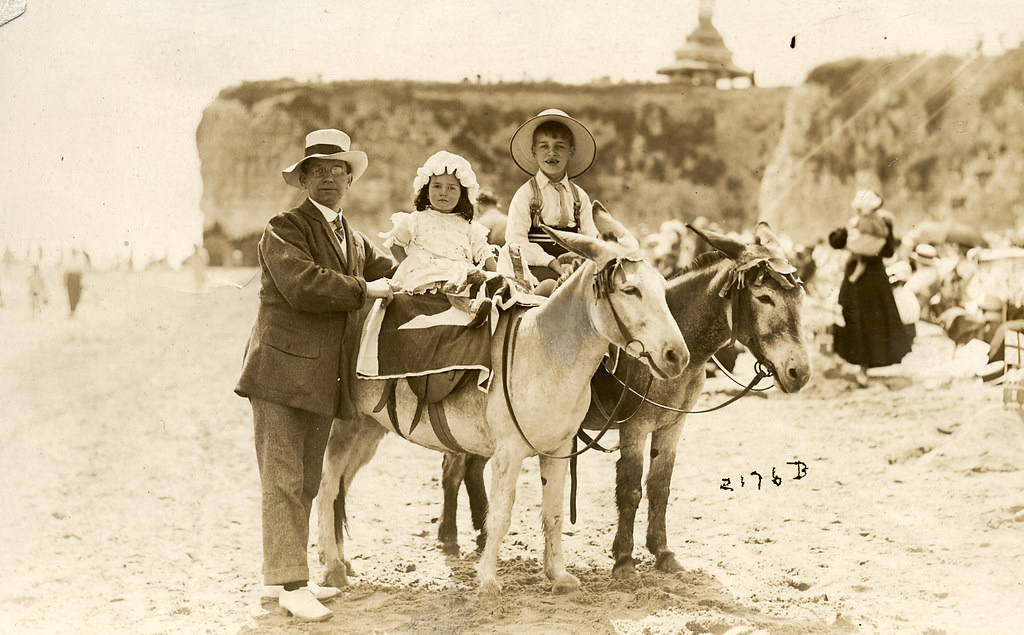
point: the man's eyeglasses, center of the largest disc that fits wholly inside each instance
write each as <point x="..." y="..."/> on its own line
<point x="323" y="170"/>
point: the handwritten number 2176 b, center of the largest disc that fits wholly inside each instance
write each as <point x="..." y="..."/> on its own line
<point x="776" y="480"/>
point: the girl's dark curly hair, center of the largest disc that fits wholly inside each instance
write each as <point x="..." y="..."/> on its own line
<point x="463" y="208"/>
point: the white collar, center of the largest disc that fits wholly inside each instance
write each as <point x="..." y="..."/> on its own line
<point x="329" y="214"/>
<point x="542" y="179"/>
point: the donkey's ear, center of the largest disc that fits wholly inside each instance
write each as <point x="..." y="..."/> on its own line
<point x="610" y="229"/>
<point x="599" y="251"/>
<point x="765" y="236"/>
<point x="721" y="242"/>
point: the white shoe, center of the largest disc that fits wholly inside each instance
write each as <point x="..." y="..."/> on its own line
<point x="321" y="593"/>
<point x="302" y="604"/>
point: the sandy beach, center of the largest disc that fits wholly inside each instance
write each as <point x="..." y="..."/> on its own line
<point x="131" y="495"/>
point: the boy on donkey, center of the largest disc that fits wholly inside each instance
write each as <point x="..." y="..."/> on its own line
<point x="552" y="148"/>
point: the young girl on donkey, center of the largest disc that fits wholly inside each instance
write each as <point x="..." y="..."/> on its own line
<point x="439" y="245"/>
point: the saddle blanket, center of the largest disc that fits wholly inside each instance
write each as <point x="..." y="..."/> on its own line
<point x="422" y="334"/>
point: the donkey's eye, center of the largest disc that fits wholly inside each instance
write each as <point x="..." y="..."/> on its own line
<point x="765" y="299"/>
<point x="630" y="289"/>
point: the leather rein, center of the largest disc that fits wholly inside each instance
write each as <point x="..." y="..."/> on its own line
<point x="783" y="273"/>
<point x="762" y="370"/>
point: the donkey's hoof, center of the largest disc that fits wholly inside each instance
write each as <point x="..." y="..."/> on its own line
<point x="565" y="583"/>
<point x="349" y="568"/>
<point x="624" y="569"/>
<point x="667" y="563"/>
<point x="450" y="548"/>
<point x="490" y="589"/>
<point x="336" y="577"/>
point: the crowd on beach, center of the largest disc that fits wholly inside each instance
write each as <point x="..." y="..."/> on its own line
<point x="966" y="281"/>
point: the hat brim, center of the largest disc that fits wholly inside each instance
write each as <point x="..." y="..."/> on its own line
<point x="521" y="145"/>
<point x="354" y="158"/>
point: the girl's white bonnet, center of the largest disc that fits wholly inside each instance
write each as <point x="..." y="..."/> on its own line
<point x="445" y="162"/>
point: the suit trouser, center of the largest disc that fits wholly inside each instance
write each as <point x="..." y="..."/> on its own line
<point x="290" y="447"/>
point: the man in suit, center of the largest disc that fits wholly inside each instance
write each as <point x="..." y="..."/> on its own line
<point x="316" y="274"/>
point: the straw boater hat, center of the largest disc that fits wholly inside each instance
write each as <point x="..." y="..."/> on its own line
<point x="866" y="199"/>
<point x="925" y="254"/>
<point x="521" y="144"/>
<point x="327" y="144"/>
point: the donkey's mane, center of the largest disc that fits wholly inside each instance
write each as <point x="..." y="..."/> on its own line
<point x="700" y="262"/>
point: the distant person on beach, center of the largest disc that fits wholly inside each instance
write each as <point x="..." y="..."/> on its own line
<point x="867" y="230"/>
<point x="489" y="214"/>
<point x="316" y="271"/>
<point x="439" y="247"/>
<point x="871" y="333"/>
<point x="37" y="291"/>
<point x="198" y="262"/>
<point x="74" y="268"/>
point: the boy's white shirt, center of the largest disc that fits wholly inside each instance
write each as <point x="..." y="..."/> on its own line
<point x="519" y="220"/>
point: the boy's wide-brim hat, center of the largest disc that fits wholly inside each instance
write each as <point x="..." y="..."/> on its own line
<point x="521" y="144"/>
<point x="327" y="143"/>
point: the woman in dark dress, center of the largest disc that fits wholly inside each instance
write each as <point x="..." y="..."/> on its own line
<point x="873" y="334"/>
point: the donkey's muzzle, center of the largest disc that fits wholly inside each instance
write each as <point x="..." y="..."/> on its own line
<point x="670" y="361"/>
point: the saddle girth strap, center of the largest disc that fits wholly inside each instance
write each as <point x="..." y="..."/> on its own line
<point x="387" y="398"/>
<point x="439" y="422"/>
<point x="420" y="402"/>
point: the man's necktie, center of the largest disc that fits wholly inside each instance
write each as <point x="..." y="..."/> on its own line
<point x="563" y="211"/>
<point x="339" y="231"/>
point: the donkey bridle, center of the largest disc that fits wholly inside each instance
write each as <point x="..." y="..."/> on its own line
<point x="602" y="286"/>
<point x="783" y="273"/>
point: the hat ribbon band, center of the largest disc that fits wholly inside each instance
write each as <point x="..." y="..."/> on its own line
<point x="324" y="148"/>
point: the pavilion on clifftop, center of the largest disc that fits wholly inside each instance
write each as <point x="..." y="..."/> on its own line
<point x="704" y="59"/>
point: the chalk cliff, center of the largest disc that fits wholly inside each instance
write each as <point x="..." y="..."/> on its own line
<point x="663" y="151"/>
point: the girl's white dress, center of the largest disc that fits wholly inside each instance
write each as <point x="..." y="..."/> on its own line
<point x="442" y="249"/>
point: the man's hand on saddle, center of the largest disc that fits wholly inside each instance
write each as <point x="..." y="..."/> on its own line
<point x="380" y="288"/>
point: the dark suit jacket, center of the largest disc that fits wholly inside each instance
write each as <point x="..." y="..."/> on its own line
<point x="306" y="330"/>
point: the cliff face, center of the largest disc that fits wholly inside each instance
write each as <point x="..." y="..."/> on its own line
<point x="662" y="153"/>
<point x="940" y="138"/>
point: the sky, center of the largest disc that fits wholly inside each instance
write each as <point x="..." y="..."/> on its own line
<point x="100" y="101"/>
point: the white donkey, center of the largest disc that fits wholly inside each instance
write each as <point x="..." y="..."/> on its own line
<point x="613" y="298"/>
